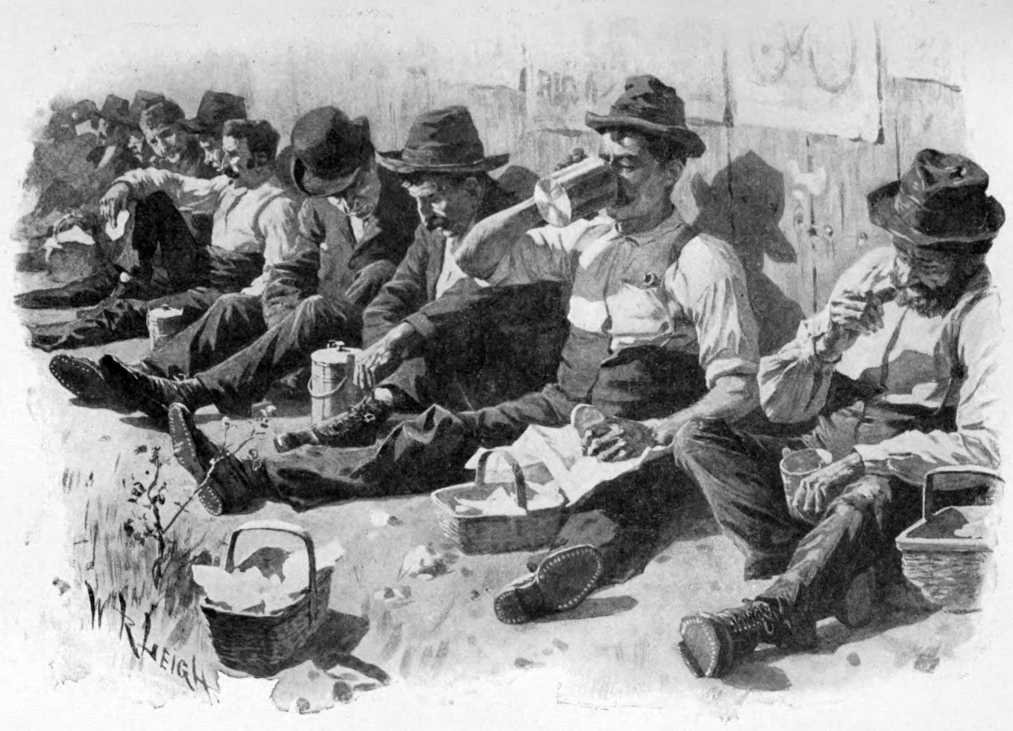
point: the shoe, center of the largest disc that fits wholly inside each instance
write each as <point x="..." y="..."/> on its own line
<point x="357" y="427"/>
<point x="229" y="488"/>
<point x="714" y="643"/>
<point x="82" y="377"/>
<point x="563" y="579"/>
<point x="151" y="394"/>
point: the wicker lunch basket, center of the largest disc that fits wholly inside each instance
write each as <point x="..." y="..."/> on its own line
<point x="263" y="644"/>
<point x="950" y="570"/>
<point x="497" y="533"/>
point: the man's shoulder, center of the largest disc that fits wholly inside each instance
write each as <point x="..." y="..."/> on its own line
<point x="708" y="256"/>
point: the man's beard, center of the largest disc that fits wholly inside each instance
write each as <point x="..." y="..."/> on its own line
<point x="932" y="302"/>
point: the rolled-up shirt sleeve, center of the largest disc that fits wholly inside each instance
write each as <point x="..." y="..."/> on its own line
<point x="278" y="225"/>
<point x="794" y="381"/>
<point x="979" y="412"/>
<point x="188" y="193"/>
<point x="711" y="286"/>
<point x="544" y="254"/>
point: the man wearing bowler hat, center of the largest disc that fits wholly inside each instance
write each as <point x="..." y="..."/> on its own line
<point x="353" y="228"/>
<point x="448" y="180"/>
<point x="660" y="330"/>
<point x="444" y="167"/>
<point x="900" y="372"/>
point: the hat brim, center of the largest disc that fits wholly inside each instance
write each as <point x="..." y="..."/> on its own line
<point x="883" y="214"/>
<point x="315" y="185"/>
<point x="687" y="138"/>
<point x="395" y="161"/>
<point x="195" y="126"/>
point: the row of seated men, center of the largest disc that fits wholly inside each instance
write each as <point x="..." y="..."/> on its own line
<point x="653" y="343"/>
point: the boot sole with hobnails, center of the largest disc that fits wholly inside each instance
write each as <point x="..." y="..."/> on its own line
<point x="185" y="449"/>
<point x="562" y="581"/>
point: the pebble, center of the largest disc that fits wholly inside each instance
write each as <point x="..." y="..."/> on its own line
<point x="854" y="660"/>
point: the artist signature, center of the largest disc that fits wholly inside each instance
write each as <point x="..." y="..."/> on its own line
<point x="138" y="639"/>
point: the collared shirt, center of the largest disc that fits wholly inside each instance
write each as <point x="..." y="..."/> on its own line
<point x="259" y="220"/>
<point x="635" y="289"/>
<point x="451" y="273"/>
<point x="913" y="362"/>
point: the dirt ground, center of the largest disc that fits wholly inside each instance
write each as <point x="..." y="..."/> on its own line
<point x="617" y="649"/>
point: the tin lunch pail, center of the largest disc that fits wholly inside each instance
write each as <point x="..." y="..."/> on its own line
<point x="163" y="323"/>
<point x="332" y="388"/>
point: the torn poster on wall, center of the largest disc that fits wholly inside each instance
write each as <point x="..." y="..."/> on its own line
<point x="816" y="77"/>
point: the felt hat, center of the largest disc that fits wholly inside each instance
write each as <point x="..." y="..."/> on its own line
<point x="328" y="149"/>
<point x="939" y="203"/>
<point x="650" y="106"/>
<point x="216" y="108"/>
<point x="442" y="141"/>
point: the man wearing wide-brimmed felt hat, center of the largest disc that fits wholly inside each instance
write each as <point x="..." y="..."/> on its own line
<point x="214" y="110"/>
<point x="900" y="371"/>
<point x="353" y="231"/>
<point x="659" y="331"/>
<point x="445" y="168"/>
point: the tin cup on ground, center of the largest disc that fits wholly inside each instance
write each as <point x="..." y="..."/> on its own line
<point x="796" y="466"/>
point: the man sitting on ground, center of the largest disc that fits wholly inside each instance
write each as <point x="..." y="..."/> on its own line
<point x="900" y="369"/>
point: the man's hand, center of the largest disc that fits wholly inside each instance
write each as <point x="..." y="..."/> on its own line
<point x="618" y="439"/>
<point x="851" y="314"/>
<point x="576" y="155"/>
<point x="821" y="486"/>
<point x="114" y="201"/>
<point x="383" y="356"/>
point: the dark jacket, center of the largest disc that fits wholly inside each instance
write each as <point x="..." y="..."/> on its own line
<point x="387" y="234"/>
<point x="414" y="282"/>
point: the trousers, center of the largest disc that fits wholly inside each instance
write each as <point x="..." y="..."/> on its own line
<point x="162" y="254"/>
<point x="739" y="475"/>
<point x="123" y="315"/>
<point x="237" y="320"/>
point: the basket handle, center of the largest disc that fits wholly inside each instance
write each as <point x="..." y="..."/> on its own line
<point x="520" y="487"/>
<point x="324" y="394"/>
<point x="992" y="477"/>
<point x="281" y="527"/>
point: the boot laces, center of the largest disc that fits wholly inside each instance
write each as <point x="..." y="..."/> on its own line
<point x="756" y="618"/>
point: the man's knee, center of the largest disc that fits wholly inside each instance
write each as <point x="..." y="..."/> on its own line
<point x="696" y="439"/>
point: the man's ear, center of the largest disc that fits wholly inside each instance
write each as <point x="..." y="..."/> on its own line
<point x="474" y="186"/>
<point x="673" y="170"/>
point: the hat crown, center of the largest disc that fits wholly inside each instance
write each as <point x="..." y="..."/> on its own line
<point x="161" y="114"/>
<point x="938" y="180"/>
<point x="144" y="100"/>
<point x="328" y="143"/>
<point x="115" y="106"/>
<point x="650" y="99"/>
<point x="444" y="137"/>
<point x="942" y="198"/>
<point x="216" y="108"/>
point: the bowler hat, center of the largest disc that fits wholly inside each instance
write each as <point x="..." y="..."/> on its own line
<point x="939" y="203"/>
<point x="115" y="109"/>
<point x="160" y="115"/>
<point x="328" y="149"/>
<point x="443" y="141"/>
<point x="143" y="100"/>
<point x="215" y="108"/>
<point x="652" y="107"/>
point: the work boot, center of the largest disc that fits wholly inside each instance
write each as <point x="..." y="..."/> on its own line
<point x="357" y="427"/>
<point x="562" y="580"/>
<point x="225" y="483"/>
<point x="714" y="643"/>
<point x="151" y="394"/>
<point x="83" y="378"/>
